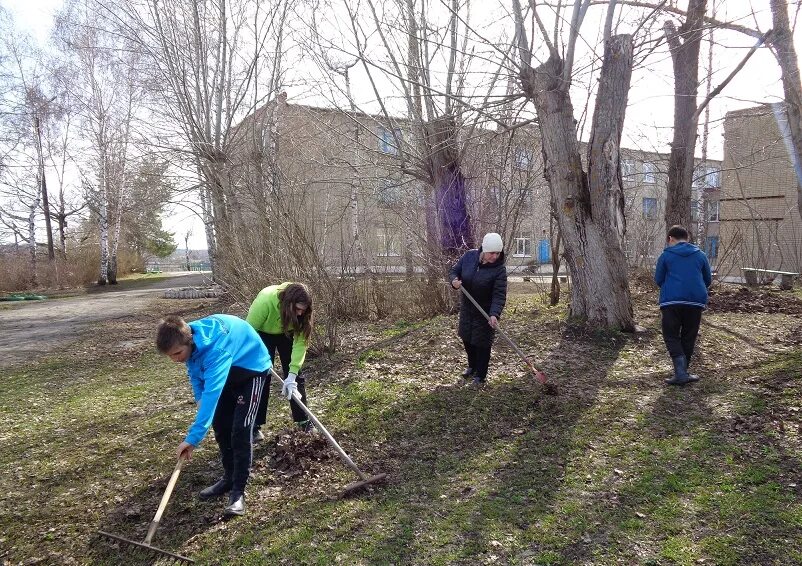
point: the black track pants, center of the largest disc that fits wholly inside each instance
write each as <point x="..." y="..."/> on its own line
<point x="233" y="424"/>
<point x="283" y="344"/>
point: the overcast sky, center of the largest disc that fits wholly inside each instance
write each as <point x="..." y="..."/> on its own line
<point x="650" y="113"/>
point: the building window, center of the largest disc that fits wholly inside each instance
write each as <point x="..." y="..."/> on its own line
<point x="712" y="178"/>
<point x="649" y="173"/>
<point x="711" y="247"/>
<point x="649" y="208"/>
<point x="628" y="171"/>
<point x="694" y="211"/>
<point x="388" y="193"/>
<point x="388" y="243"/>
<point x="389" y="140"/>
<point x="523" y="158"/>
<point x="523" y="247"/>
<point x="713" y="211"/>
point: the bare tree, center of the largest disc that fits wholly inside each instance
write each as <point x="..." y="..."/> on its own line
<point x="435" y="120"/>
<point x="684" y="43"/>
<point x="589" y="205"/>
<point x="211" y="63"/>
<point x="109" y="95"/>
<point x="23" y="172"/>
<point x="782" y="43"/>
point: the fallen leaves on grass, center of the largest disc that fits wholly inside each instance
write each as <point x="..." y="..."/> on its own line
<point x="730" y="298"/>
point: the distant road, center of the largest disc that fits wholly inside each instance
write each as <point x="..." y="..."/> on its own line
<point x="29" y="329"/>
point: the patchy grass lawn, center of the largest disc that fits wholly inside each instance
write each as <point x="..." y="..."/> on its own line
<point x="617" y="469"/>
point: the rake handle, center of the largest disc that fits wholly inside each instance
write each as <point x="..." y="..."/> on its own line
<point x="539" y="375"/>
<point x="297" y="398"/>
<point x="154" y="524"/>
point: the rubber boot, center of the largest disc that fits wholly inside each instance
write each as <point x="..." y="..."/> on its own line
<point x="222" y="487"/>
<point x="691" y="376"/>
<point x="236" y="504"/>
<point x="258" y="435"/>
<point x="680" y="371"/>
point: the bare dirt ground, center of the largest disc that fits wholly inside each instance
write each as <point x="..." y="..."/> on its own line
<point x="31" y="328"/>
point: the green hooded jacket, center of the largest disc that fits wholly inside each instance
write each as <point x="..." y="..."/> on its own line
<point x="265" y="316"/>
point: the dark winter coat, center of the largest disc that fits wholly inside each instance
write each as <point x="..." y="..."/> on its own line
<point x="683" y="274"/>
<point x="487" y="283"/>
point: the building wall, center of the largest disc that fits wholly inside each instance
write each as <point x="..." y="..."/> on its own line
<point x="332" y="163"/>
<point x="760" y="223"/>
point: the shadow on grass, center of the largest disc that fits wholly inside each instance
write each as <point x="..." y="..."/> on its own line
<point x="469" y="468"/>
<point x="739" y="335"/>
<point x="698" y="486"/>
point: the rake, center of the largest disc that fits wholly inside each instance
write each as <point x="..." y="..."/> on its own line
<point x="548" y="388"/>
<point x="146" y="548"/>
<point x="364" y="480"/>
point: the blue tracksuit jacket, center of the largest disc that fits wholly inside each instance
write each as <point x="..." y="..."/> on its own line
<point x="221" y="341"/>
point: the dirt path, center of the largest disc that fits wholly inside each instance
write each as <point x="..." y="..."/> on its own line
<point x="32" y="328"/>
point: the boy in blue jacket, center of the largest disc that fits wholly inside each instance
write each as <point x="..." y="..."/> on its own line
<point x="683" y="274"/>
<point x="227" y="365"/>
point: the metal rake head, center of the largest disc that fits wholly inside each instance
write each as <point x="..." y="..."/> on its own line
<point x="147" y="551"/>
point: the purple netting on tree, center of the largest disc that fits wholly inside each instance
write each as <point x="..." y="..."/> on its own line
<point x="456" y="235"/>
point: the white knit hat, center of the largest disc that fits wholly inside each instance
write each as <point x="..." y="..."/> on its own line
<point x="492" y="242"/>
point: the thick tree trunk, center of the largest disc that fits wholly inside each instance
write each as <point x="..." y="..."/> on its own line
<point x="590" y="218"/>
<point x="783" y="44"/>
<point x="685" y="44"/>
<point x="453" y="220"/>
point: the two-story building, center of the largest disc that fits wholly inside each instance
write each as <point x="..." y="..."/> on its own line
<point x="759" y="216"/>
<point x="356" y="186"/>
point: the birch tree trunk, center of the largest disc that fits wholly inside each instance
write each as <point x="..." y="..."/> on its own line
<point x="115" y="241"/>
<point x="783" y="45"/>
<point x="40" y="163"/>
<point x="32" y="239"/>
<point x="103" y="226"/>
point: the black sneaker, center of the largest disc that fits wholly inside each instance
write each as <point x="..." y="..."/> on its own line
<point x="220" y="488"/>
<point x="467" y="373"/>
<point x="304" y="426"/>
<point x="236" y="504"/>
<point x="477" y="383"/>
<point x="258" y="436"/>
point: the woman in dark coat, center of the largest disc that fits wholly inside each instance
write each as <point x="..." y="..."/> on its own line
<point x="484" y="276"/>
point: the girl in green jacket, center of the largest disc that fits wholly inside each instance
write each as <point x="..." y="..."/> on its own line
<point x="282" y="315"/>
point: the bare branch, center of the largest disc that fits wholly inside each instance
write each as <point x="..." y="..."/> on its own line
<point x="734" y="72"/>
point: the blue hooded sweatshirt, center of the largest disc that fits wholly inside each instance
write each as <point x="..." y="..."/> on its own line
<point x="220" y="342"/>
<point x="683" y="274"/>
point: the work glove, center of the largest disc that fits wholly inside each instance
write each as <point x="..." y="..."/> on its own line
<point x="290" y="387"/>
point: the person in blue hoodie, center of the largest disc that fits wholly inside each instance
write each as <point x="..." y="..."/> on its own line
<point x="227" y="365"/>
<point x="683" y="274"/>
